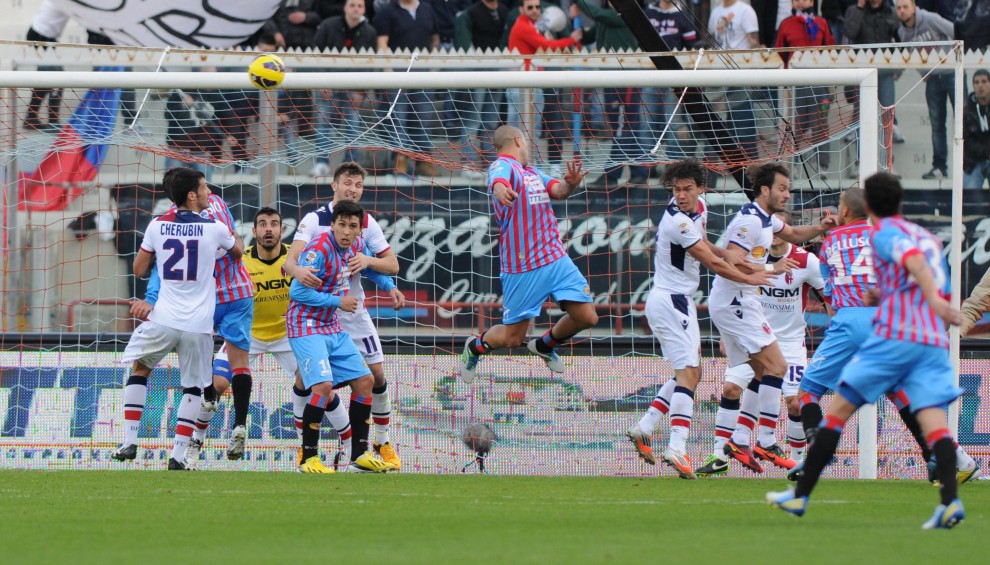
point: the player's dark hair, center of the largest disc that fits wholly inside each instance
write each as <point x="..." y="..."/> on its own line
<point x="179" y="182"/>
<point x="981" y="72"/>
<point x="349" y="168"/>
<point x="883" y="194"/>
<point x="347" y="209"/>
<point x="688" y="169"/>
<point x="267" y="211"/>
<point x="763" y="175"/>
<point x="855" y="201"/>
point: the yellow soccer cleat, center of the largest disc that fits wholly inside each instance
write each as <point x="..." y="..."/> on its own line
<point x="314" y="465"/>
<point x="368" y="463"/>
<point x="387" y="452"/>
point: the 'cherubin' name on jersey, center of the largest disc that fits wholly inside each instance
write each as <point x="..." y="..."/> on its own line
<point x="752" y="229"/>
<point x="675" y="270"/>
<point x="903" y="312"/>
<point x="330" y="262"/>
<point x="185" y="246"/>
<point x="847" y="265"/>
<point x="784" y="298"/>
<point x="528" y="234"/>
<point x="318" y="222"/>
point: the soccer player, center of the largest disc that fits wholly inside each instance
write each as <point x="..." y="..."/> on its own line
<point x="907" y="349"/>
<point x="533" y="260"/>
<point x="232" y="321"/>
<point x="681" y="247"/>
<point x="326" y="355"/>
<point x="184" y="246"/>
<point x="846" y="260"/>
<point x="783" y="301"/>
<point x="348" y="186"/>
<point x="733" y="306"/>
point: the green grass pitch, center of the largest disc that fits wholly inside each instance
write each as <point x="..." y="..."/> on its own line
<point x="211" y="517"/>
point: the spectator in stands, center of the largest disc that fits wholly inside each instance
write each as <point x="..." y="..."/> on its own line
<point x="46" y="26"/>
<point x="734" y="25"/>
<point x="834" y="12"/>
<point x="678" y="33"/>
<point x="811" y="103"/>
<point x="972" y="21"/>
<point x="869" y="22"/>
<point x="410" y="24"/>
<point x="622" y="106"/>
<point x="919" y="25"/>
<point x="976" y="132"/>
<point x="193" y="133"/>
<point x="337" y="111"/>
<point x="769" y="15"/>
<point x="238" y="109"/>
<point x="480" y="26"/>
<point x="527" y="39"/>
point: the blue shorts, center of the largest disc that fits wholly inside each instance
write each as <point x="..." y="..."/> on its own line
<point x="232" y="321"/>
<point x="848" y="330"/>
<point x="328" y="358"/>
<point x="525" y="293"/>
<point x="882" y="365"/>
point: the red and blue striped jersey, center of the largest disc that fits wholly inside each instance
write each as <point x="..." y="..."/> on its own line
<point x="330" y="262"/>
<point x="233" y="280"/>
<point x="846" y="260"/>
<point x="903" y="312"/>
<point x="528" y="234"/>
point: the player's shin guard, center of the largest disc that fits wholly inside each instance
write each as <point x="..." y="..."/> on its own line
<point x="820" y="454"/>
<point x="811" y="415"/>
<point x="725" y="423"/>
<point x="944" y="447"/>
<point x="186" y="421"/>
<point x="769" y="409"/>
<point x="312" y="416"/>
<point x="299" y="400"/>
<point x="659" y="407"/>
<point x="795" y="437"/>
<point x="341" y="422"/>
<point x="681" y="412"/>
<point x="240" y="385"/>
<point x="749" y="407"/>
<point x="360" y="413"/>
<point x="381" y="413"/>
<point x="135" y="395"/>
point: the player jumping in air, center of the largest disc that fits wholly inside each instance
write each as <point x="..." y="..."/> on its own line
<point x="533" y="260"/>
<point x="681" y="247"/>
<point x="184" y="246"/>
<point x="908" y="349"/>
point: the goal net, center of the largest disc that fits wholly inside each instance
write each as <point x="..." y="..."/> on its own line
<point x="84" y="153"/>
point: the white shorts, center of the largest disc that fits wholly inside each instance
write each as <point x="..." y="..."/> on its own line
<point x="151" y="342"/>
<point x="362" y="330"/>
<point x="797" y="359"/>
<point x="740" y="320"/>
<point x="674" y="321"/>
<point x="279" y="349"/>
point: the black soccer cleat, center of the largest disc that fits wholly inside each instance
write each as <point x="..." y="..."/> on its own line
<point x="174" y="465"/>
<point x="124" y="453"/>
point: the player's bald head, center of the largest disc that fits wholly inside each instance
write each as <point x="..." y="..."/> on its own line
<point x="504" y="136"/>
<point x="855" y="202"/>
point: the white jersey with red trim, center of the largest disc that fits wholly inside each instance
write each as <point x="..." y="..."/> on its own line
<point x="674" y="269"/>
<point x="318" y="222"/>
<point x="784" y="299"/>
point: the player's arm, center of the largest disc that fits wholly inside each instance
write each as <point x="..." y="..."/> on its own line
<point x="801" y="234"/>
<point x="378" y="255"/>
<point x="143" y="261"/>
<point x="720" y="266"/>
<point x="385" y="283"/>
<point x="917" y="264"/>
<point x="237" y="250"/>
<point x="572" y="179"/>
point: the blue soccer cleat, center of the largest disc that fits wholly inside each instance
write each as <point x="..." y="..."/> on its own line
<point x="945" y="516"/>
<point x="788" y="502"/>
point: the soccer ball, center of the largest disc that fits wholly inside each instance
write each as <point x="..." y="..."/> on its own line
<point x="266" y="71"/>
<point x="554" y="19"/>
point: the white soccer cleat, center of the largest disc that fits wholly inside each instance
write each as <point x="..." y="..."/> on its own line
<point x="553" y="361"/>
<point x="192" y="452"/>
<point x="237" y="439"/>
<point x="469" y="363"/>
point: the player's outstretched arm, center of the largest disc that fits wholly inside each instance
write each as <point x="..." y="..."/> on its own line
<point x="801" y="234"/>
<point x="917" y="265"/>
<point x="720" y="266"/>
<point x="237" y="251"/>
<point x="571" y="180"/>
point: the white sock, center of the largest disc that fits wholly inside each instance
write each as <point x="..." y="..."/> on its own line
<point x="681" y="412"/>
<point x="725" y="424"/>
<point x="381" y="413"/>
<point x="770" y="396"/>
<point x="300" y="398"/>
<point x="341" y="422"/>
<point x="749" y="406"/>
<point x="963" y="461"/>
<point x="135" y="395"/>
<point x="795" y="437"/>
<point x="203" y="420"/>
<point x="185" y="424"/>
<point x="660" y="406"/>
